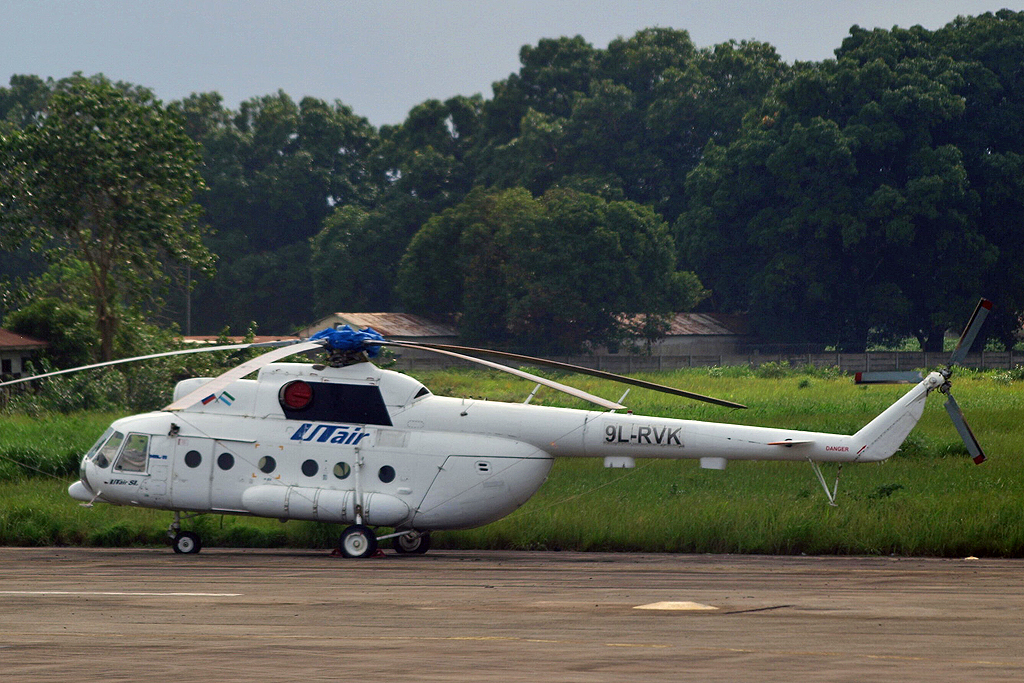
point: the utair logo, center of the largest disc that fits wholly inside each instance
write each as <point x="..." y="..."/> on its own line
<point x="337" y="434"/>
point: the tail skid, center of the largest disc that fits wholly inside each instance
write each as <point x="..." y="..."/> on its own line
<point x="884" y="435"/>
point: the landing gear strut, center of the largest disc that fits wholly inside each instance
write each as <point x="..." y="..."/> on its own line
<point x="183" y="542"/>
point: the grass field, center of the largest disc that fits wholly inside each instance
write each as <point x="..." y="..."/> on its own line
<point x="930" y="499"/>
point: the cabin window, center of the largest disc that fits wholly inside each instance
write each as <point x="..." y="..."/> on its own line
<point x="225" y="461"/>
<point x="267" y="464"/>
<point x="310" y="468"/>
<point x="5" y="366"/>
<point x="193" y="459"/>
<point x="342" y="470"/>
<point x="134" y="454"/>
<point x="387" y="474"/>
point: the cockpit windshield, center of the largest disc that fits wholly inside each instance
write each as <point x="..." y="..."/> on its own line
<point x="105" y="448"/>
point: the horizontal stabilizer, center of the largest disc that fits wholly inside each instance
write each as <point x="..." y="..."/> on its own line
<point x="890" y="377"/>
<point x="789" y="442"/>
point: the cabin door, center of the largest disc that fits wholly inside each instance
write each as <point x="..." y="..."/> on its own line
<point x="192" y="468"/>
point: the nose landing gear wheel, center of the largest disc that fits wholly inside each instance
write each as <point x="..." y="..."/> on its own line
<point x="186" y="543"/>
<point x="411" y="544"/>
<point x="357" y="541"/>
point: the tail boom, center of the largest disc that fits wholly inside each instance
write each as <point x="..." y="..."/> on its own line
<point x="638" y="436"/>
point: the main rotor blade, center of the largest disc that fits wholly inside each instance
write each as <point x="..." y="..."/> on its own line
<point x="957" y="415"/>
<point x="221" y="381"/>
<point x="572" y="391"/>
<point x="162" y="354"/>
<point x="970" y="332"/>
<point x="583" y="371"/>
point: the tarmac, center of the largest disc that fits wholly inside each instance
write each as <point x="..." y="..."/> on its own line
<point x="87" y="614"/>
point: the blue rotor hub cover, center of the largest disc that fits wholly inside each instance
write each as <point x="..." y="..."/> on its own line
<point x="344" y="338"/>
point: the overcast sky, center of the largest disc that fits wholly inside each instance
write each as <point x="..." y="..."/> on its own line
<point x="384" y="57"/>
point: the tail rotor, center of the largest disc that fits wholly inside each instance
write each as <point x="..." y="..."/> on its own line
<point x="958" y="357"/>
<point x="963" y="346"/>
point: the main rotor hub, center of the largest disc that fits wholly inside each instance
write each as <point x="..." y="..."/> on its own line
<point x="339" y="358"/>
<point x="947" y="385"/>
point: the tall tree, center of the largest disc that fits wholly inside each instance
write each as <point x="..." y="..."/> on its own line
<point x="25" y="100"/>
<point x="427" y="161"/>
<point x="109" y="176"/>
<point x="991" y="139"/>
<point x="846" y="205"/>
<point x="552" y="274"/>
<point x="627" y="122"/>
<point x="276" y="169"/>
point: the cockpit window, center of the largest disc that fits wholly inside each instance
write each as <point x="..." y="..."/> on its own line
<point x="105" y="449"/>
<point x="134" y="455"/>
<point x="96" y="447"/>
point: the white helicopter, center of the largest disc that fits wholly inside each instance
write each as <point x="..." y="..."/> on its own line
<point x="350" y="443"/>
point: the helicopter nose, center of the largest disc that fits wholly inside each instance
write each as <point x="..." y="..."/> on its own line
<point x="83" y="471"/>
<point x="80" y="491"/>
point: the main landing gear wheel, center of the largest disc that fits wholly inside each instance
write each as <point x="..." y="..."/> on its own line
<point x="411" y="544"/>
<point x="186" y="543"/>
<point x="357" y="541"/>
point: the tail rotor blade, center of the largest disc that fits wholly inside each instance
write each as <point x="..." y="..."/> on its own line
<point x="970" y="332"/>
<point x="957" y="415"/>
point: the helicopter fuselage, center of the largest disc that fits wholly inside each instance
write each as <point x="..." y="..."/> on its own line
<point x="359" y="444"/>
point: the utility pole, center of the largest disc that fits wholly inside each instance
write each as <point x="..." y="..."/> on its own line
<point x="188" y="300"/>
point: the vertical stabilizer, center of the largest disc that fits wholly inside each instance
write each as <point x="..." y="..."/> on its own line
<point x="882" y="437"/>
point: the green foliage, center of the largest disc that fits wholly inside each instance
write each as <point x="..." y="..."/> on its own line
<point x="134" y="387"/>
<point x="25" y="100"/>
<point x="856" y="201"/>
<point x="115" y="192"/>
<point x="862" y="193"/>
<point x="596" y="122"/>
<point x="633" y="118"/>
<point x="354" y="256"/>
<point x="548" y="274"/>
<point x="68" y="328"/>
<point x="772" y="370"/>
<point x="275" y="168"/>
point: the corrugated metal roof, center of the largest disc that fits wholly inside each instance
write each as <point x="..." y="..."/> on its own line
<point x="701" y="324"/>
<point x="687" y="324"/>
<point x="392" y="324"/>
<point x="18" y="342"/>
<point x="406" y="325"/>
